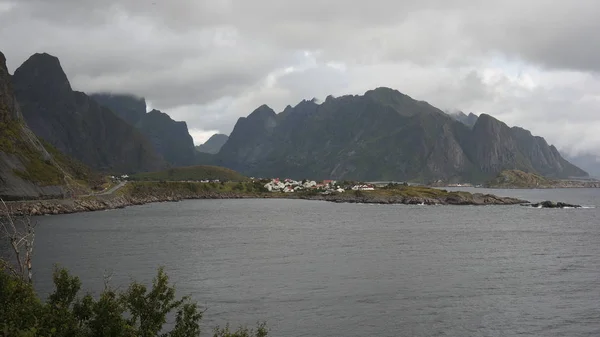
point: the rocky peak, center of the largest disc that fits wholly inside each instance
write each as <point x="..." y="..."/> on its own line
<point x="9" y="109"/>
<point x="468" y="120"/>
<point x="263" y="112"/>
<point x="43" y="74"/>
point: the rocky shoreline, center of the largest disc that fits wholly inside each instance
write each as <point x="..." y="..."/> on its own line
<point x="476" y="199"/>
<point x="91" y="204"/>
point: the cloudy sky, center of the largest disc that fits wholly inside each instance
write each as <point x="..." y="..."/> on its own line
<point x="531" y="63"/>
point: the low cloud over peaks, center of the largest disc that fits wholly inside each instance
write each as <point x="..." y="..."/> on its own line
<point x="533" y="64"/>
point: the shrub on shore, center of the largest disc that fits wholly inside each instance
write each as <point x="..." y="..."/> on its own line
<point x="138" y="311"/>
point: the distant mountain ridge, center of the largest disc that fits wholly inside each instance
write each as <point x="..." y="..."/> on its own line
<point x="170" y="138"/>
<point x="588" y="162"/>
<point x="383" y="135"/>
<point x="468" y="120"/>
<point x="214" y="144"/>
<point x="76" y="124"/>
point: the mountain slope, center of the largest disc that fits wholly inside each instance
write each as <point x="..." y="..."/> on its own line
<point x="588" y="162"/>
<point x="76" y="124"/>
<point x="171" y="139"/>
<point x="213" y="144"/>
<point x="27" y="170"/>
<point x="130" y="108"/>
<point x="382" y="135"/>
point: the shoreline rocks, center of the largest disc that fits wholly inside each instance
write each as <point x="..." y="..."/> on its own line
<point x="465" y="199"/>
<point x="551" y="204"/>
<point x="100" y="203"/>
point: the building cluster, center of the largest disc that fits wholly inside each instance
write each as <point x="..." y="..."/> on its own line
<point x="120" y="178"/>
<point x="325" y="186"/>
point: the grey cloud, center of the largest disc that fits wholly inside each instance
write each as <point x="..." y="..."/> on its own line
<point x="211" y="61"/>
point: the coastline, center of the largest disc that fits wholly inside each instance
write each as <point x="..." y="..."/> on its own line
<point x="106" y="202"/>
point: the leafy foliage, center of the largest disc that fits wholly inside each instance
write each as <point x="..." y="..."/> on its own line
<point x="139" y="311"/>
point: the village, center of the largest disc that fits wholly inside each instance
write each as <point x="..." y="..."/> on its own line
<point x="325" y="186"/>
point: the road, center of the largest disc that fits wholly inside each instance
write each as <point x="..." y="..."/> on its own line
<point x="109" y="191"/>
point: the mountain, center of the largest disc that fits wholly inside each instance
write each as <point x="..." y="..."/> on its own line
<point x="468" y="120"/>
<point x="170" y="138"/>
<point x="382" y="135"/>
<point x="76" y="124"/>
<point x="27" y="169"/>
<point x="213" y="144"/>
<point x="130" y="108"/>
<point x="588" y="162"/>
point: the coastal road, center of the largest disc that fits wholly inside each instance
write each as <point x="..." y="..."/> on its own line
<point x="111" y="190"/>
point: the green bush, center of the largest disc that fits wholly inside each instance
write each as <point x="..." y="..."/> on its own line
<point x="138" y="311"/>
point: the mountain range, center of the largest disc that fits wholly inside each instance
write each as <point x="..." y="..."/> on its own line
<point x="384" y="135"/>
<point x="381" y="135"/>
<point x="76" y="124"/>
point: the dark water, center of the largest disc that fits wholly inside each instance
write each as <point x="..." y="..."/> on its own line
<point x="322" y="269"/>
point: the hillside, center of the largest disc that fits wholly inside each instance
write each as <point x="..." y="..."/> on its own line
<point x="77" y="125"/>
<point x="191" y="173"/>
<point x="170" y="138"/>
<point x="519" y="179"/>
<point x="30" y="169"/>
<point x="383" y="135"/>
<point x="214" y="144"/>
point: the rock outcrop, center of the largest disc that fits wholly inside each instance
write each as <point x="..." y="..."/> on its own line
<point x="552" y="204"/>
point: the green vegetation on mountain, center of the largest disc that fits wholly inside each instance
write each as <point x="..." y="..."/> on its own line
<point x="519" y="179"/>
<point x="186" y="190"/>
<point x="382" y="135"/>
<point x="192" y="173"/>
<point x="80" y="172"/>
<point x="171" y="139"/>
<point x="214" y="144"/>
<point x="27" y="170"/>
<point x="75" y="124"/>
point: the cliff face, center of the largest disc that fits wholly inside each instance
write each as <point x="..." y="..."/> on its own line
<point x="27" y="170"/>
<point x="77" y="125"/>
<point x="171" y="139"/>
<point x="130" y="108"/>
<point x="383" y="135"/>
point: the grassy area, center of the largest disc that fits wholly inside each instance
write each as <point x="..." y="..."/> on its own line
<point x="37" y="169"/>
<point x="82" y="173"/>
<point x="60" y="169"/>
<point x="519" y="179"/>
<point x="147" y="188"/>
<point x="191" y="173"/>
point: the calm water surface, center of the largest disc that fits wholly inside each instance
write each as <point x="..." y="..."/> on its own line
<point x="322" y="269"/>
